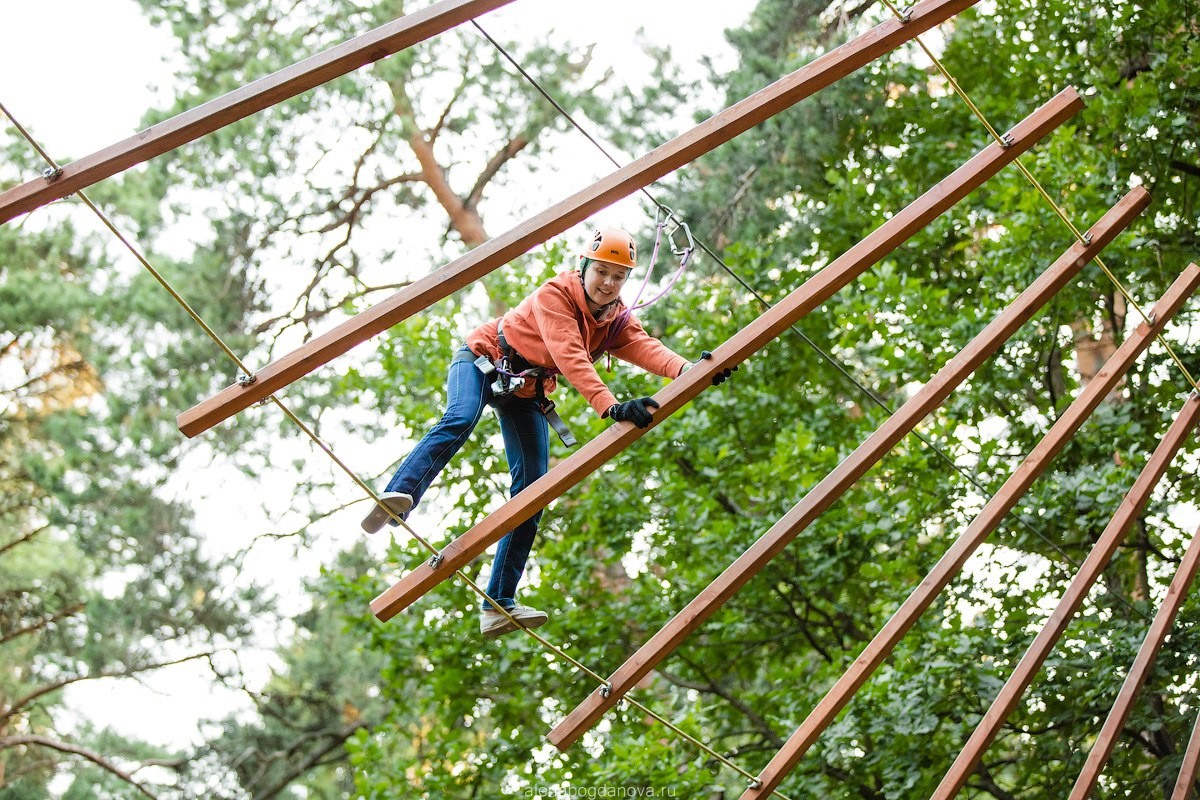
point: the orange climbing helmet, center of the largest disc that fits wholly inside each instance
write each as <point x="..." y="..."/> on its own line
<point x="611" y="245"/>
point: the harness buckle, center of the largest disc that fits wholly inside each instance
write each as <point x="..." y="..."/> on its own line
<point x="506" y="381"/>
<point x="485" y="365"/>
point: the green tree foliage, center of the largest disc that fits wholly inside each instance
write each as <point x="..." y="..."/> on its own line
<point x="310" y="211"/>
<point x="103" y="575"/>
<point x="421" y="706"/>
<point x="642" y="537"/>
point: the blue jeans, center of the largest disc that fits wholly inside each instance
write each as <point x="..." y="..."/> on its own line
<point x="526" y="445"/>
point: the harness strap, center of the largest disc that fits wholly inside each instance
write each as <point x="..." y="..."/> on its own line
<point x="546" y="406"/>
<point x="522" y="366"/>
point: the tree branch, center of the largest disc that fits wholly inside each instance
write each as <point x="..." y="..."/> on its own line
<point x="466" y="222"/>
<point x="337" y="739"/>
<point x="25" y="538"/>
<point x="43" y="622"/>
<point x="352" y="214"/>
<point x="1183" y="166"/>
<point x="124" y="672"/>
<point x="78" y="365"/>
<point x="502" y="157"/>
<point x="90" y="755"/>
<point x="454" y="98"/>
<point x="712" y="687"/>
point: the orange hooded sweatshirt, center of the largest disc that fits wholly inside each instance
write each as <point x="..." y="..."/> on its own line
<point x="553" y="328"/>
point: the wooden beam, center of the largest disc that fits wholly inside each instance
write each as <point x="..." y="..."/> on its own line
<point x="496" y="252"/>
<point x="1010" y="694"/>
<point x="241" y="103"/>
<point x="855" y="465"/>
<point x="1138" y="673"/>
<point x="737" y="349"/>
<point x="1185" y="784"/>
<point x="981" y="527"/>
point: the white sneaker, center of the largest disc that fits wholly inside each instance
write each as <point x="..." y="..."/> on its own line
<point x="399" y="503"/>
<point x="492" y="623"/>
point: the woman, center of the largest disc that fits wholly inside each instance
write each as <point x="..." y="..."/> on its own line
<point x="511" y="364"/>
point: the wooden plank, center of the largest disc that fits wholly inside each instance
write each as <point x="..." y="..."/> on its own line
<point x="1185" y="784"/>
<point x="1010" y="694"/>
<point x="241" y="103"/>
<point x="706" y="136"/>
<point x="737" y="349"/>
<point x="981" y="527"/>
<point x="865" y="456"/>
<point x="1138" y="673"/>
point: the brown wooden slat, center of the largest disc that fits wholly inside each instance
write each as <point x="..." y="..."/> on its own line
<point x="865" y="456"/>
<point x="980" y="528"/>
<point x="241" y="103"/>
<point x="1185" y="784"/>
<point x="1136" y="678"/>
<point x="1093" y="565"/>
<point x="737" y="349"/>
<point x="496" y="252"/>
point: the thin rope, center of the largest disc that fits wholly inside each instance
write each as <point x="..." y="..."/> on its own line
<point x="1058" y="210"/>
<point x="841" y="368"/>
<point x="325" y="447"/>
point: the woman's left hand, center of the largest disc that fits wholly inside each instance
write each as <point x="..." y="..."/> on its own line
<point x="721" y="375"/>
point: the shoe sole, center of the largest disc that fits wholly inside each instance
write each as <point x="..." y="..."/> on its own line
<point x="509" y="627"/>
<point x="397" y="502"/>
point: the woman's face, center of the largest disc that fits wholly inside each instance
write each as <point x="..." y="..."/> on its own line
<point x="603" y="281"/>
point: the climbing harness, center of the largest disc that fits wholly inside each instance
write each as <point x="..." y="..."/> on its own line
<point x="512" y="371"/>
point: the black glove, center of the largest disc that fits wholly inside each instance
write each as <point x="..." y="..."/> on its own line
<point x="635" y="411"/>
<point x="721" y="376"/>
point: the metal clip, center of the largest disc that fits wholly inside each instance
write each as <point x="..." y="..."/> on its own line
<point x="436" y="561"/>
<point x="755" y="783"/>
<point x="1152" y="317"/>
<point x="1007" y="140"/>
<point x="671" y="216"/>
<point x="52" y="174"/>
<point x="906" y="14"/>
<point x="606" y="690"/>
<point x="1087" y="238"/>
<point x="245" y="379"/>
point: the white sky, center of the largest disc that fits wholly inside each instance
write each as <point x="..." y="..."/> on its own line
<point x="80" y="73"/>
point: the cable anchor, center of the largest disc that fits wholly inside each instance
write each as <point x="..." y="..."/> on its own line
<point x="245" y="378"/>
<point x="906" y="14"/>
<point x="755" y="783"/>
<point x="606" y="690"/>
<point x="51" y="174"/>
<point x="436" y="560"/>
<point x="1007" y="140"/>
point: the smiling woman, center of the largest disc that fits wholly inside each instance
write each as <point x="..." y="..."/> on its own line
<point x="560" y="329"/>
